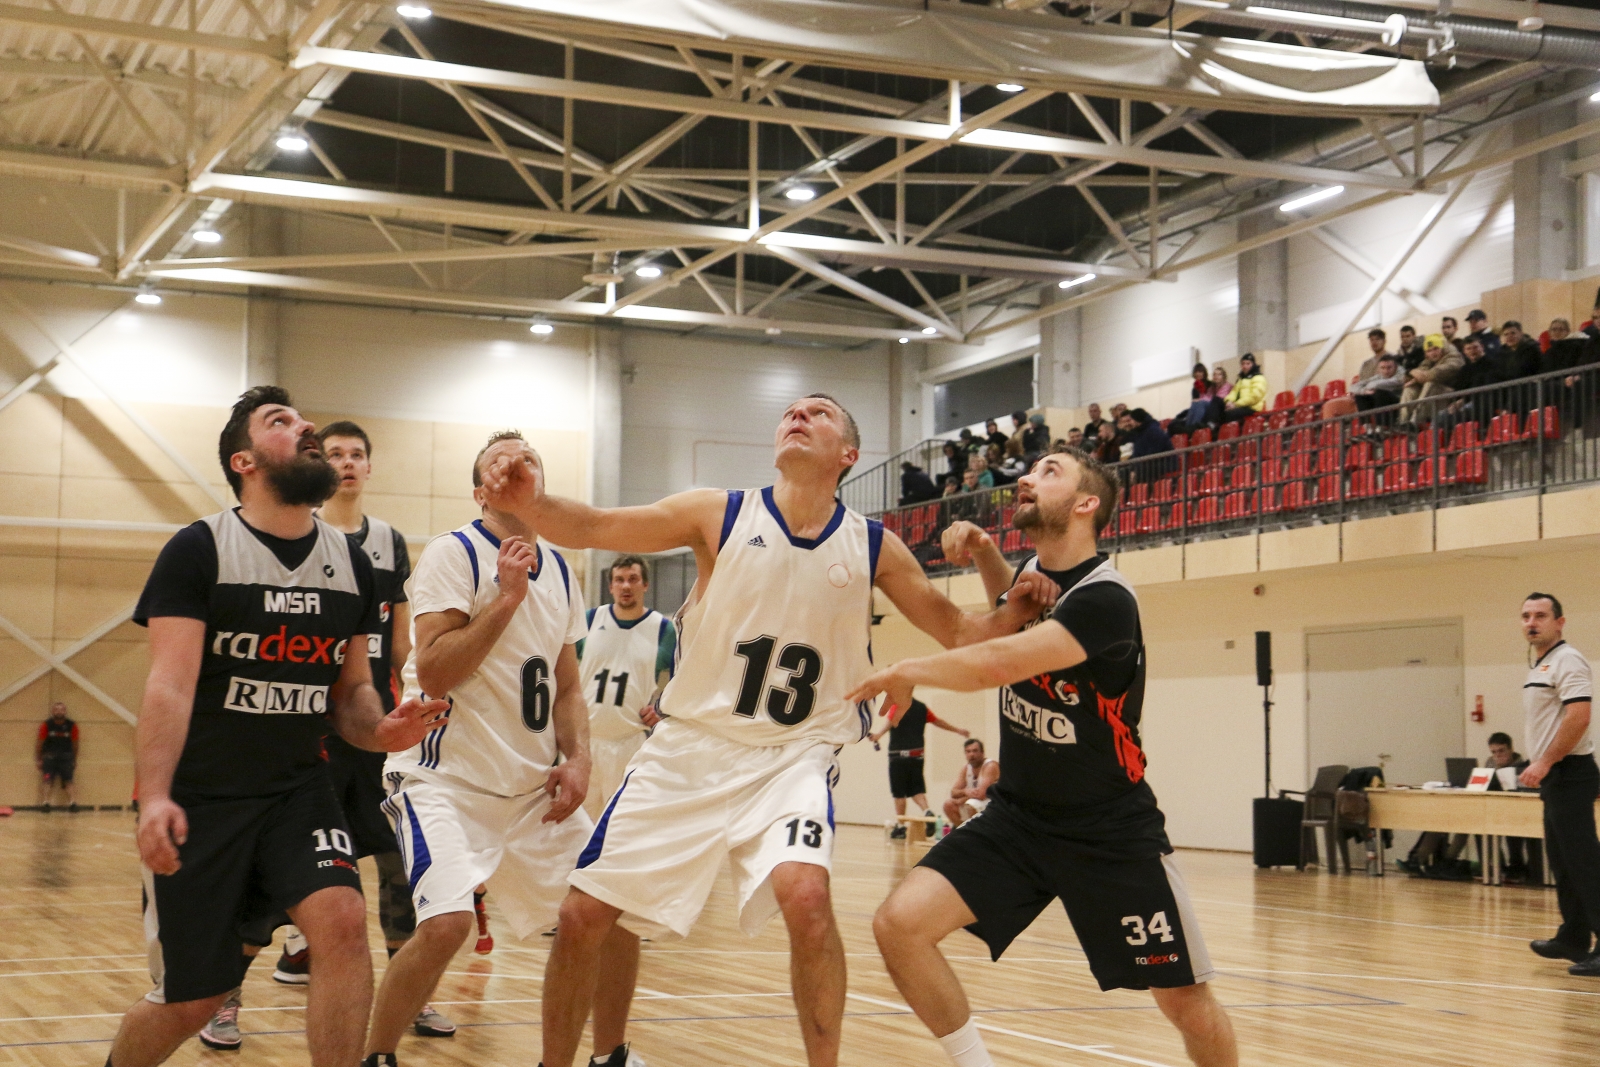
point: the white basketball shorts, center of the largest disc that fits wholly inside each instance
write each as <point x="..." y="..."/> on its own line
<point x="608" y="767"/>
<point x="453" y="838"/>
<point x="692" y="797"/>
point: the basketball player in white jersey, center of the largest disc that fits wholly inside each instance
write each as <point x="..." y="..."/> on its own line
<point x="624" y="661"/>
<point x="970" y="794"/>
<point x="496" y="618"/>
<point x="775" y="634"/>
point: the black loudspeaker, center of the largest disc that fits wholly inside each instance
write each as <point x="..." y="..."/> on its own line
<point x="1263" y="657"/>
<point x="1277" y="832"/>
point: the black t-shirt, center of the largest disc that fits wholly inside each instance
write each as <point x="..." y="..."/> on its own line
<point x="1069" y="739"/>
<point x="908" y="734"/>
<point x="279" y="615"/>
<point x="57" y="737"/>
<point x="391" y="567"/>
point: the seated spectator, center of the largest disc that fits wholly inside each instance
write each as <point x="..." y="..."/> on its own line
<point x="1448" y="328"/>
<point x="56" y="755"/>
<point x="1434" y="375"/>
<point x="1377" y="340"/>
<point x="971" y="503"/>
<point x="968" y="443"/>
<point x="1091" y="429"/>
<point x="1249" y="396"/>
<point x="1013" y="464"/>
<point x="1019" y="426"/>
<point x="1518" y="355"/>
<point x="1592" y="327"/>
<point x="955" y="463"/>
<point x="1204" y="408"/>
<point x="993" y="436"/>
<point x="1478" y="327"/>
<point x="994" y="461"/>
<point x="1106" y="447"/>
<point x="1411" y="352"/>
<point x="1476" y="372"/>
<point x="1565" y="348"/>
<point x="1035" y="437"/>
<point x="953" y="487"/>
<point x="1117" y="410"/>
<point x="1074" y="438"/>
<point x="1220" y="386"/>
<point x="1142" y="431"/>
<point x="1381" y="388"/>
<point x="915" y="485"/>
<point x="979" y="466"/>
<point x="977" y="776"/>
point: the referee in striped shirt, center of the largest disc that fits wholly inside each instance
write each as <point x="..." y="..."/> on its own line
<point x="1556" y="698"/>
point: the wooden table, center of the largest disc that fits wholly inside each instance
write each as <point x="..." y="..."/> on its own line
<point x="1492" y="815"/>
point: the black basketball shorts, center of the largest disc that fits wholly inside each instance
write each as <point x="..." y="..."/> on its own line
<point x="59" y="768"/>
<point x="1132" y="915"/>
<point x="357" y="779"/>
<point x="905" y="777"/>
<point x="245" y="863"/>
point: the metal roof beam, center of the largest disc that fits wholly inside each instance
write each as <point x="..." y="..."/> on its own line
<point x="43" y="19"/>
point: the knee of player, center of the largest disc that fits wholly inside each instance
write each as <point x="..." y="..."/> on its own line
<point x="582" y="916"/>
<point x="195" y="1013"/>
<point x="1184" y="1005"/>
<point x="450" y="929"/>
<point x="805" y="897"/>
<point x="893" y="923"/>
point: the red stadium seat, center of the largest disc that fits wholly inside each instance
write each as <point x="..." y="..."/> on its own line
<point x="1229" y="431"/>
<point x="1283" y="401"/>
<point x="1300" y="441"/>
<point x="1471" y="468"/>
<point x="1358" y="455"/>
<point x="1333" y="389"/>
<point x="1278" y="420"/>
<point x="1363" y="482"/>
<point x="1294" y="496"/>
<point x="1255" y="424"/>
<point x="1180" y="440"/>
<point x="1139" y="493"/>
<point x="1310" y="395"/>
<point x="1329" y="488"/>
<point x="1551" y="424"/>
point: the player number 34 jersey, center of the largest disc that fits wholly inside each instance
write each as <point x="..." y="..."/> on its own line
<point x="782" y="631"/>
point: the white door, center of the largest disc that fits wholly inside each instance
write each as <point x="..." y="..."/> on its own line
<point x="1385" y="696"/>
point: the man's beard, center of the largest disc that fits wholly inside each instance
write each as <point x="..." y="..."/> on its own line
<point x="308" y="478"/>
<point x="1032" y="517"/>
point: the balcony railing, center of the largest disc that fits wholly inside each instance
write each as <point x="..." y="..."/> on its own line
<point x="1293" y="468"/>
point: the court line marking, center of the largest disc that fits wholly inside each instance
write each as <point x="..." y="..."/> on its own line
<point x="1482" y="931"/>
<point x="104" y="970"/>
<point x="1090" y="1049"/>
<point x="1417" y="981"/>
<point x="53" y="959"/>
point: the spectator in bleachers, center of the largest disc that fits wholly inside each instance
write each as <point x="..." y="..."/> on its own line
<point x="968" y="443"/>
<point x="1518" y="355"/>
<point x="1036" y="438"/>
<point x="1219" y="382"/>
<point x="1249" y="396"/>
<point x="1381" y="388"/>
<point x="1478" y="326"/>
<point x="994" y="460"/>
<point x="955" y="463"/>
<point x="1205" y="409"/>
<point x="1013" y="464"/>
<point x="915" y="485"/>
<point x="1107" y="449"/>
<point x="953" y="487"/>
<point x="1019" y="426"/>
<point x="1142" y="431"/>
<point x="1476" y="371"/>
<point x="1592" y="327"/>
<point x="1565" y="348"/>
<point x="1091" y="430"/>
<point x="1377" y="340"/>
<point x="1436" y="374"/>
<point x="1448" y="328"/>
<point x="1568" y="351"/>
<point x="1411" y="352"/>
<point x="993" y="436"/>
<point x="978" y="466"/>
<point x="1074" y="438"/>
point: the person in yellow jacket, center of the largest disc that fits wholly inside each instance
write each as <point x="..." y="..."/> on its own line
<point x="1249" y="396"/>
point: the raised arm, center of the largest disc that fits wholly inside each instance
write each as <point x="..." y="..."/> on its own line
<point x="568" y="783"/>
<point x="1001" y="661"/>
<point x="902" y="579"/>
<point x="941" y="724"/>
<point x="176" y="647"/>
<point x="966" y="543"/>
<point x="683" y="520"/>
<point x="452" y="644"/>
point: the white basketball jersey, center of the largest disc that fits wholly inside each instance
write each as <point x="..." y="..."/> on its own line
<point x="782" y="631"/>
<point x="500" y="738"/>
<point x="619" y="670"/>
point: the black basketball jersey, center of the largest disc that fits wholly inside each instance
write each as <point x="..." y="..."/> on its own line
<point x="276" y="637"/>
<point x="57" y="737"/>
<point x="1069" y="738"/>
<point x="909" y="733"/>
<point x="391" y="566"/>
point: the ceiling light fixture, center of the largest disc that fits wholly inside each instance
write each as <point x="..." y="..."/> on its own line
<point x="1311" y="198"/>
<point x="801" y="192"/>
<point x="773" y="331"/>
<point x="147" y="295"/>
<point x="929" y="330"/>
<point x="905" y="340"/>
<point x="649" y="270"/>
<point x="1068" y="283"/>
<point x="292" y="142"/>
<point x="207" y="237"/>
<point x="543" y="329"/>
<point x="413" y="11"/>
<point x="1009" y="87"/>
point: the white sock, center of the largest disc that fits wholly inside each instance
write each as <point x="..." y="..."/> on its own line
<point x="965" y="1047"/>
<point x="294" y="940"/>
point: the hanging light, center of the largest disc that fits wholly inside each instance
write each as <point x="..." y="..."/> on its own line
<point x="1068" y="283"/>
<point x="801" y="192"/>
<point x="649" y="270"/>
<point x="905" y="340"/>
<point x="1009" y="87"/>
<point x="147" y="295"/>
<point x="542" y="329"/>
<point x="413" y="11"/>
<point x="1311" y="198"/>
<point x="290" y="141"/>
<point x="929" y="330"/>
<point x="207" y="237"/>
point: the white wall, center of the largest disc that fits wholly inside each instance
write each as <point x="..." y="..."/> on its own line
<point x="701" y="412"/>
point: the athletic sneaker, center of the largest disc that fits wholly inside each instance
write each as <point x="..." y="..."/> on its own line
<point x="621" y="1056"/>
<point x="429" y="1023"/>
<point x="379" y="1059"/>
<point x="898" y="833"/>
<point x="485" y="943"/>
<point x="222" y="1032"/>
<point x="294" y="968"/>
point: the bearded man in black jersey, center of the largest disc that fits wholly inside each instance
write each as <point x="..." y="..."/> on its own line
<point x="258" y="620"/>
<point x="1073" y="817"/>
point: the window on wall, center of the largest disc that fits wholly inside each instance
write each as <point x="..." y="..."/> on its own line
<point x="988" y="394"/>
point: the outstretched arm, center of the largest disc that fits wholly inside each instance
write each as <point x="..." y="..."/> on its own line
<point x="941" y="724"/>
<point x="982" y="666"/>
<point x="683" y="520"/>
<point x="967" y="543"/>
<point x="901" y="578"/>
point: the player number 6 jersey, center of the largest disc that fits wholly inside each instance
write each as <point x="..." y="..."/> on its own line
<point x="782" y="631"/>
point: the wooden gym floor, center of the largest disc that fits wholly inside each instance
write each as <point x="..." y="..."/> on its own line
<point x="1316" y="969"/>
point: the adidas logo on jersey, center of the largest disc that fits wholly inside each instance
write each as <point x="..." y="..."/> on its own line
<point x="756" y="542"/>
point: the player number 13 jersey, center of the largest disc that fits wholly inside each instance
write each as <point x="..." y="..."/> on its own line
<point x="782" y="631"/>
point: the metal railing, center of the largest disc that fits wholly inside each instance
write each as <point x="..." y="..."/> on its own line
<point x="1293" y="468"/>
<point x="878" y="487"/>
